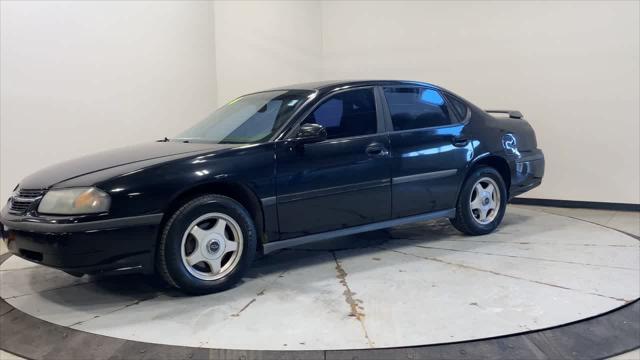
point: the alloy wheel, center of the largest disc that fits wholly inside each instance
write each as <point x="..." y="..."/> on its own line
<point x="212" y="246"/>
<point x="485" y="200"/>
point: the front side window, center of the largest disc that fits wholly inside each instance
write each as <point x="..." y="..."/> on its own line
<point x="249" y="119"/>
<point x="346" y="114"/>
<point x="416" y="107"/>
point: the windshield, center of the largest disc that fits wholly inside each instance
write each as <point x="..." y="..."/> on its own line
<point x="252" y="118"/>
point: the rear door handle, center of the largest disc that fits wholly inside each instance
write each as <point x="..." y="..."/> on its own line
<point x="459" y="141"/>
<point x="377" y="149"/>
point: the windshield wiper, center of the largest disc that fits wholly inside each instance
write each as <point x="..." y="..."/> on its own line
<point x="166" y="139"/>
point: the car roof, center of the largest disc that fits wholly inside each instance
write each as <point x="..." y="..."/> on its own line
<point x="330" y="85"/>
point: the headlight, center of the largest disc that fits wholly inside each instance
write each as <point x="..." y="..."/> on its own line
<point x="74" y="201"/>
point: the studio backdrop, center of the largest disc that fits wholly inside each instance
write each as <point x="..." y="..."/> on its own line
<point x="80" y="77"/>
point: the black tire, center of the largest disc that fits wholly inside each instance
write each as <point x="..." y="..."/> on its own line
<point x="170" y="264"/>
<point x="465" y="221"/>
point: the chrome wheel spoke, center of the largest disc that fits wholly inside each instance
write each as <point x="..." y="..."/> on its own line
<point x="199" y="234"/>
<point x="482" y="214"/>
<point x="214" y="265"/>
<point x="219" y="228"/>
<point x="492" y="204"/>
<point x="230" y="246"/>
<point x="476" y="204"/>
<point x="195" y="257"/>
<point x="490" y="189"/>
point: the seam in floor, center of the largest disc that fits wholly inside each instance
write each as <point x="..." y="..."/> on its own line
<point x="626" y="301"/>
<point x="526" y="257"/>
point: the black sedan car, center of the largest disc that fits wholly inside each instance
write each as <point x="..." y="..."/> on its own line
<point x="272" y="170"/>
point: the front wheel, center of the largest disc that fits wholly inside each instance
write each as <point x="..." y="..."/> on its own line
<point x="482" y="202"/>
<point x="207" y="245"/>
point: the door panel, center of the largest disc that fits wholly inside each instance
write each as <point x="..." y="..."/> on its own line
<point x="332" y="185"/>
<point x="427" y="169"/>
<point x="429" y="150"/>
<point x="343" y="181"/>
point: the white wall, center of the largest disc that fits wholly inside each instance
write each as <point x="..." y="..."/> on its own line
<point x="79" y="77"/>
<point x="265" y="44"/>
<point x="571" y="67"/>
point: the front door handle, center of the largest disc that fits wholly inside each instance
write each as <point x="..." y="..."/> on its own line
<point x="377" y="149"/>
<point x="459" y="141"/>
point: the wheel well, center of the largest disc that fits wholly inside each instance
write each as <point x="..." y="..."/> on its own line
<point x="237" y="192"/>
<point x="498" y="163"/>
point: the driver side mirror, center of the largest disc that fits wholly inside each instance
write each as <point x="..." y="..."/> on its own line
<point x="311" y="133"/>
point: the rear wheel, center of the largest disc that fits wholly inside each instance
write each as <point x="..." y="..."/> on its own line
<point x="482" y="202"/>
<point x="207" y="245"/>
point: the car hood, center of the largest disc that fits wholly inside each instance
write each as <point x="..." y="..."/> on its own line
<point x="117" y="161"/>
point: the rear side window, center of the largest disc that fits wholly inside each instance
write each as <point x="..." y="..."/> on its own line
<point x="415" y="108"/>
<point x="458" y="106"/>
<point x="346" y="114"/>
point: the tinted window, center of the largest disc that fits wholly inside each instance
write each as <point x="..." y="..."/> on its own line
<point x="349" y="113"/>
<point x="459" y="106"/>
<point x="414" y="108"/>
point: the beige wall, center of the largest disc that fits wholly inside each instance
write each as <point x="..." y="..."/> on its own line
<point x="265" y="44"/>
<point x="79" y="77"/>
<point x="571" y="67"/>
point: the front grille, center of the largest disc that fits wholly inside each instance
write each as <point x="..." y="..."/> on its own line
<point x="20" y="206"/>
<point x="22" y="201"/>
<point x="29" y="194"/>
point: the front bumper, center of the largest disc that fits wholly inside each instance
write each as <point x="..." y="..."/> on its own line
<point x="82" y="247"/>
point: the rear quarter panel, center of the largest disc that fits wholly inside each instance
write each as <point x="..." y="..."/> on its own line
<point x="513" y="140"/>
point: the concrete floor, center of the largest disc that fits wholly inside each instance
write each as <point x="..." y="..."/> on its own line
<point x="416" y="284"/>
